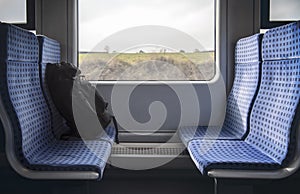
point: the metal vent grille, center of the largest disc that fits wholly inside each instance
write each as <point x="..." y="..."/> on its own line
<point x="146" y="150"/>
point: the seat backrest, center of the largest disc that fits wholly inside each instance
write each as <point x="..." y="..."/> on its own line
<point x="244" y="89"/>
<point x="49" y="53"/>
<point x="271" y="120"/>
<point x="21" y="92"/>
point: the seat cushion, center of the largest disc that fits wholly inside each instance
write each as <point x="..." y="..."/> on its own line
<point x="228" y="154"/>
<point x="110" y="134"/>
<point x="73" y="155"/>
<point x="202" y="132"/>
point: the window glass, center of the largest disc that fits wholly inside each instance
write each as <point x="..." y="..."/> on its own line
<point x="13" y="11"/>
<point x="287" y="10"/>
<point x="147" y="40"/>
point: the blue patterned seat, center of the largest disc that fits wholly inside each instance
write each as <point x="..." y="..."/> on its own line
<point x="270" y="142"/>
<point x="240" y="99"/>
<point x="35" y="145"/>
<point x="49" y="53"/>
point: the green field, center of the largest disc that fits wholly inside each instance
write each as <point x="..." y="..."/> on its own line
<point x="147" y="66"/>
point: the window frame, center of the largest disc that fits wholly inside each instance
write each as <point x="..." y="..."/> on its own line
<point x="30" y="16"/>
<point x="266" y="22"/>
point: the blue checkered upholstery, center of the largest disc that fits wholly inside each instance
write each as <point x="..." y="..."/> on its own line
<point x="274" y="108"/>
<point x="282" y="43"/>
<point x="247" y="50"/>
<point x="20" y="89"/>
<point x="222" y="154"/>
<point x="202" y="132"/>
<point x="18" y="46"/>
<point x="49" y="53"/>
<point x="270" y="139"/>
<point x="49" y="50"/>
<point x="240" y="99"/>
<point x="73" y="155"/>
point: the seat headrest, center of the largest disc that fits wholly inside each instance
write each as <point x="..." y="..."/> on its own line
<point x="282" y="42"/>
<point x="49" y="50"/>
<point x="17" y="44"/>
<point x="247" y="49"/>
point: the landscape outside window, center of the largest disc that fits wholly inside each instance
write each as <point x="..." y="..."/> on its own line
<point x="147" y="40"/>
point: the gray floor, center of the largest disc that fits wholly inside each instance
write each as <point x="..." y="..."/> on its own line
<point x="118" y="181"/>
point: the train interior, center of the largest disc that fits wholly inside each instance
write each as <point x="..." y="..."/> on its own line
<point x="203" y="96"/>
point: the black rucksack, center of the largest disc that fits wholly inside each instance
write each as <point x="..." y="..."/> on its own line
<point x="68" y="92"/>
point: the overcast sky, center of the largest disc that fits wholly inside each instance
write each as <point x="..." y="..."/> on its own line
<point x="13" y="11"/>
<point x="99" y="19"/>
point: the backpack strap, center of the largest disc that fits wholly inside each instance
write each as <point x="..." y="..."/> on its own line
<point x="117" y="129"/>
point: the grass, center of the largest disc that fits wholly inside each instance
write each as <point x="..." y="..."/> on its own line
<point x="102" y="66"/>
<point x="134" y="58"/>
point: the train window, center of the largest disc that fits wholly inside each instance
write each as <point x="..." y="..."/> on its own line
<point x="18" y="12"/>
<point x="13" y="11"/>
<point x="147" y="40"/>
<point x="277" y="12"/>
<point x="287" y="10"/>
